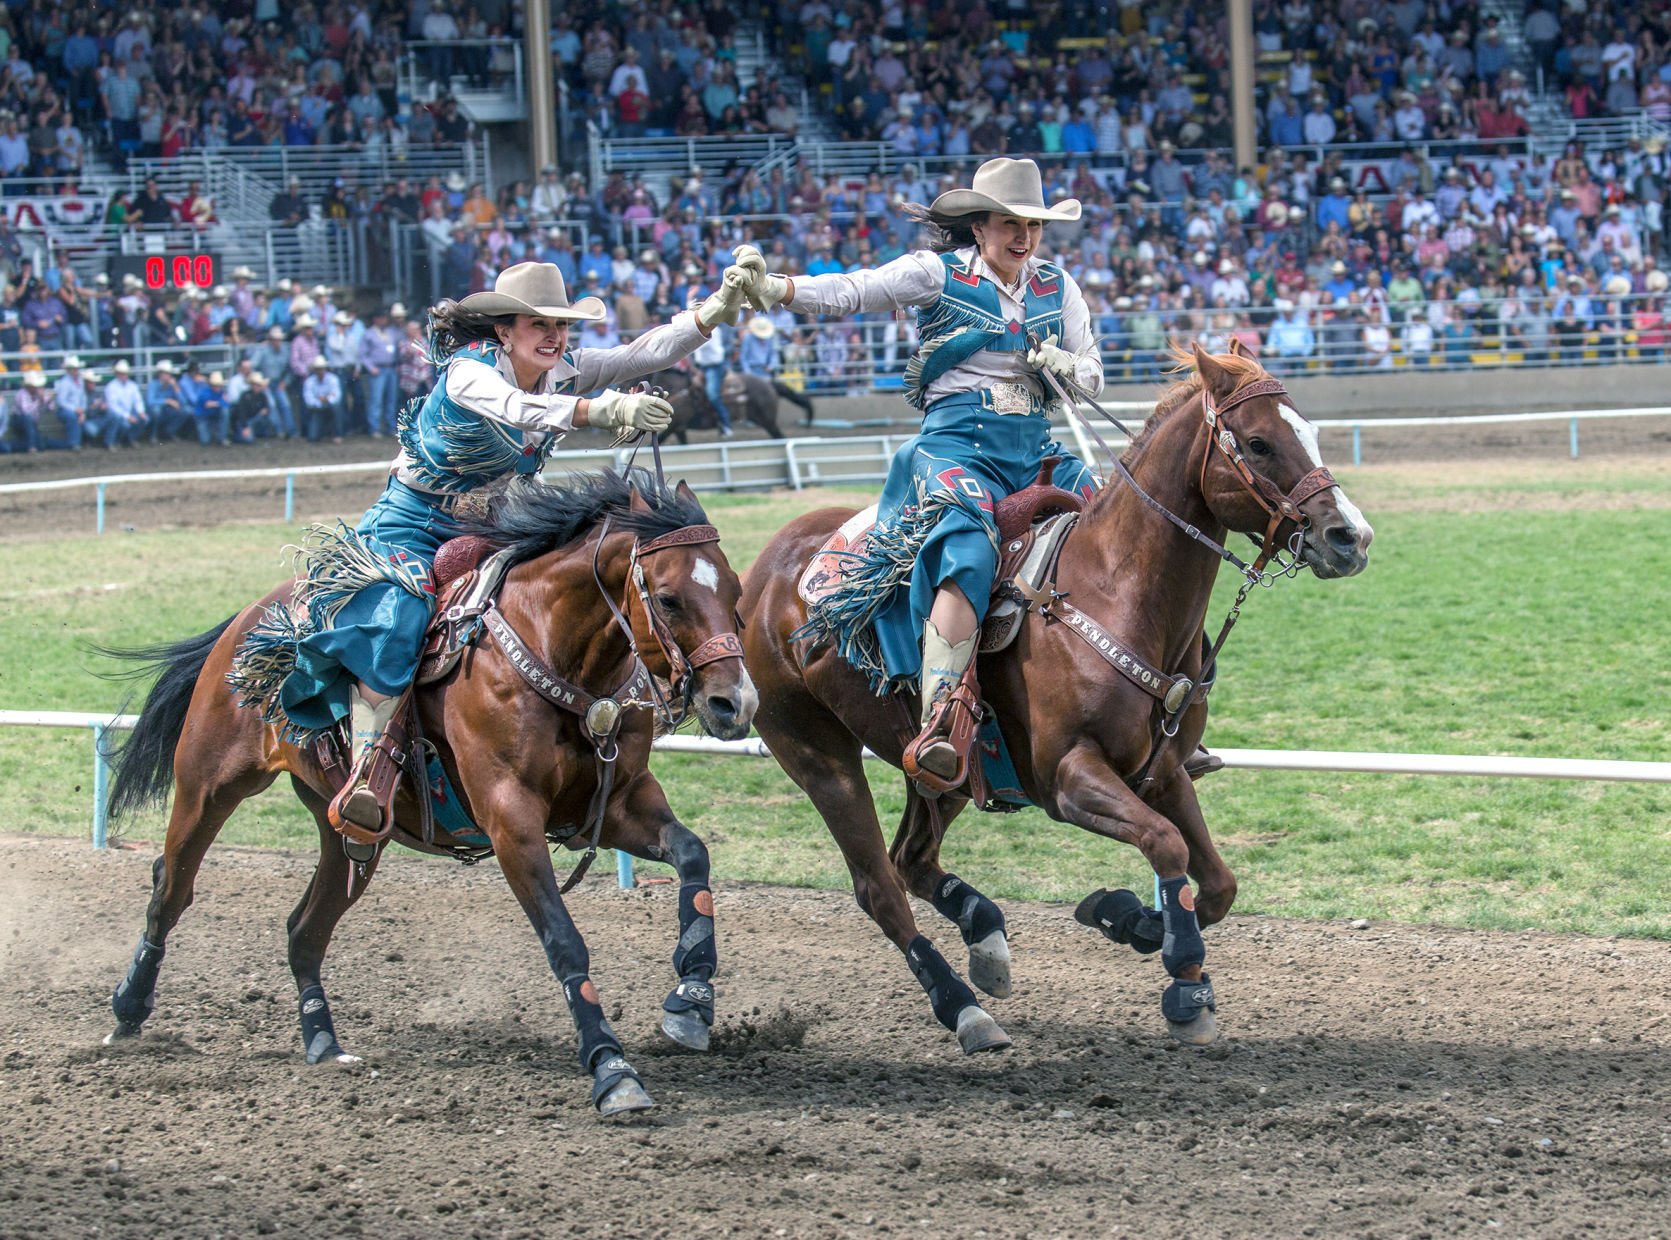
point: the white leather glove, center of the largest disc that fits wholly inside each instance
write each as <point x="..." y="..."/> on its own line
<point x="764" y="291"/>
<point x="1047" y="355"/>
<point x="725" y="305"/>
<point x="635" y="411"/>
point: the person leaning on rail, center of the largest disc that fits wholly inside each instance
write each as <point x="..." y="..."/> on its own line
<point x="508" y="391"/>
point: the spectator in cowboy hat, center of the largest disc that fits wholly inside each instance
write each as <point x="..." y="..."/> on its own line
<point x="167" y="403"/>
<point x="212" y="413"/>
<point x="322" y="401"/>
<point x="69" y="396"/>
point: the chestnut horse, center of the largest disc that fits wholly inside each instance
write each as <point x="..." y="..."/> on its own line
<point x="1223" y="450"/>
<point x="601" y="570"/>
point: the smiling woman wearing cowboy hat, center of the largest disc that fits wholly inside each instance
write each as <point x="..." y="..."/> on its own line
<point x="508" y="392"/>
<point x="992" y="317"/>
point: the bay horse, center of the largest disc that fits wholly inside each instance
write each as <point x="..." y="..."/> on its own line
<point x="1223" y="450"/>
<point x="528" y="727"/>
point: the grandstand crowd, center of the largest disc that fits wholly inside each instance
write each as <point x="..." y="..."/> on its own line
<point x="1397" y="213"/>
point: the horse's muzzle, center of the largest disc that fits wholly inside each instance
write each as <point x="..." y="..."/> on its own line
<point x="725" y="700"/>
<point x="1337" y="546"/>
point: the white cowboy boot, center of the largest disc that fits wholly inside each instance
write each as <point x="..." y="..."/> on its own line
<point x="943" y="666"/>
<point x="356" y="804"/>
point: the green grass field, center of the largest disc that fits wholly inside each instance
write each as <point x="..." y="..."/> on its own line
<point x="1507" y="610"/>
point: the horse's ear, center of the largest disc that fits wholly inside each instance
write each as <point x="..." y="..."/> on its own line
<point x="683" y="491"/>
<point x="1241" y="348"/>
<point x="637" y="502"/>
<point x="1215" y="379"/>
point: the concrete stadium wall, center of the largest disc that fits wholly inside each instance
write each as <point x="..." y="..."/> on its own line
<point x="1398" y="393"/>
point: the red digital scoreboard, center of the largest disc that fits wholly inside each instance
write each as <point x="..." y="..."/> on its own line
<point x="168" y="273"/>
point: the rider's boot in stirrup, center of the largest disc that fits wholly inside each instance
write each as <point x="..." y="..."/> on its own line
<point x="354" y="810"/>
<point x="943" y="666"/>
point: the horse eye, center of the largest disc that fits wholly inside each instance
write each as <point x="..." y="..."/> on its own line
<point x="1258" y="447"/>
<point x="668" y="602"/>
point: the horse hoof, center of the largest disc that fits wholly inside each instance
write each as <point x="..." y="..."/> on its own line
<point x="989" y="965"/>
<point x="976" y="1032"/>
<point x="121" y="1034"/>
<point x="687" y="1029"/>
<point x="627" y="1096"/>
<point x="1202" y="1031"/>
<point x="325" y="1049"/>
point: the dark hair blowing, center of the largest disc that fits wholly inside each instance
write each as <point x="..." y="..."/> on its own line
<point x="945" y="232"/>
<point x="452" y="327"/>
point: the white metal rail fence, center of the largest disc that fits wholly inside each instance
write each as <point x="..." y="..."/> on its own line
<point x="1245" y="759"/>
<point x="762" y="464"/>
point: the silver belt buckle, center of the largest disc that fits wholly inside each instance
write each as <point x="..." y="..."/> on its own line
<point x="1011" y="398"/>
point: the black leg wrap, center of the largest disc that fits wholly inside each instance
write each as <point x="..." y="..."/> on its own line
<point x="975" y="915"/>
<point x="136" y="995"/>
<point x="597" y="1039"/>
<point x="947" y="992"/>
<point x="1183" y="1001"/>
<point x="1122" y="918"/>
<point x="695" y="955"/>
<point x="319" y="1035"/>
<point x="1183" y="945"/>
<point x="692" y="994"/>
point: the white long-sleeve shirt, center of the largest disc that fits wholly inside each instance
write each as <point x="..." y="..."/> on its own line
<point x="918" y="278"/>
<point x="492" y="391"/>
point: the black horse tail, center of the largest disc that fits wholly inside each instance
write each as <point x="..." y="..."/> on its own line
<point x="144" y="763"/>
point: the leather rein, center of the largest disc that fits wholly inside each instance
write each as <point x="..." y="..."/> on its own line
<point x="1174" y="695"/>
<point x="601" y="716"/>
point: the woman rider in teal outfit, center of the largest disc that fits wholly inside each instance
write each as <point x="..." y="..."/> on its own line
<point x="511" y="388"/>
<point x="992" y="316"/>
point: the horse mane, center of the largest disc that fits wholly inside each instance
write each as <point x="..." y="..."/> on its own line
<point x="532" y="517"/>
<point x="1246" y="369"/>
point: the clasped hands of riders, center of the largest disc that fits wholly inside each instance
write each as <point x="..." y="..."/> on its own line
<point x="764" y="291"/>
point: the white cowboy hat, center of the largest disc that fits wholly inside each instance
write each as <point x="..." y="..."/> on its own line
<point x="318" y="363"/>
<point x="1616" y="286"/>
<point x="398" y="310"/>
<point x="762" y="327"/>
<point x="1656" y="281"/>
<point x="303" y="320"/>
<point x="1009" y="187"/>
<point x="164" y="367"/>
<point x="216" y="379"/>
<point x="34" y="378"/>
<point x="121" y="366"/>
<point x="342" y="318"/>
<point x="275" y="332"/>
<point x="533" y="288"/>
<point x="455" y="181"/>
<point x="72" y="362"/>
<point x="242" y="273"/>
<point x="257" y="379"/>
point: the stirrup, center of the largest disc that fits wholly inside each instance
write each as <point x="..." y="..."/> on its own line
<point x="937" y="761"/>
<point x="354" y="812"/>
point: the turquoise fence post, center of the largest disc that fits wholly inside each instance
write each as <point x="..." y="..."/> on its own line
<point x="289" y="498"/>
<point x="623" y="869"/>
<point x="100" y="490"/>
<point x="1572" y="436"/>
<point x="1357" y="445"/>
<point x="101" y="780"/>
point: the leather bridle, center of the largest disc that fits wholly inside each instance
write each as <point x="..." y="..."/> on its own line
<point x="1278" y="507"/>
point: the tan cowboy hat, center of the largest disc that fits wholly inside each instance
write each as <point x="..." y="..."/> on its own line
<point x="533" y="288"/>
<point x="1009" y="187"/>
<point x="762" y="327"/>
<point x="257" y="379"/>
<point x="216" y="379"/>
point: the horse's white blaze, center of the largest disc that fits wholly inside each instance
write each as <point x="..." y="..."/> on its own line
<point x="705" y="574"/>
<point x="1306" y="433"/>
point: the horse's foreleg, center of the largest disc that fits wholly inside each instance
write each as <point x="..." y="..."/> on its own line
<point x="311" y="925"/>
<point x="203" y="801"/>
<point x="1090" y="794"/>
<point x="527" y="868"/>
<point x="916" y="854"/>
<point x="821" y="756"/>
<point x="647" y="828"/>
<point x="1215" y="885"/>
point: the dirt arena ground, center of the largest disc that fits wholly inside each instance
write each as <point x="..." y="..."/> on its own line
<point x="1376" y="1081"/>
